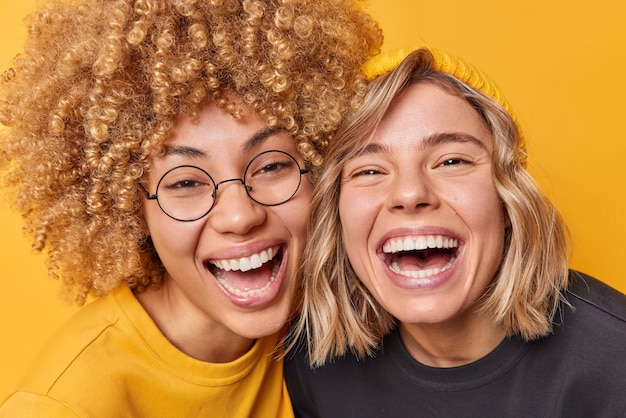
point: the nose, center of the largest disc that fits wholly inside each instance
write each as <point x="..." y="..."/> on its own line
<point x="411" y="191"/>
<point x="234" y="211"/>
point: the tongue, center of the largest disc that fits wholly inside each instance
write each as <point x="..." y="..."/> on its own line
<point x="427" y="260"/>
<point x="250" y="280"/>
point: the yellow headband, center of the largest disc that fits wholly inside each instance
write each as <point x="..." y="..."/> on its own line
<point x="467" y="73"/>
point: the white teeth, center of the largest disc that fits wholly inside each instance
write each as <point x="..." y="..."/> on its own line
<point x="420" y="274"/>
<point x="246" y="293"/>
<point x="396" y="245"/>
<point x="255" y="261"/>
<point x="247" y="263"/>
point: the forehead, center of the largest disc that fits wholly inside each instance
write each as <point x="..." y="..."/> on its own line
<point x="424" y="110"/>
<point x="215" y="131"/>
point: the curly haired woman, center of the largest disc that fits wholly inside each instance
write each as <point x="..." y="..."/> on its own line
<point x="447" y="292"/>
<point x="160" y="152"/>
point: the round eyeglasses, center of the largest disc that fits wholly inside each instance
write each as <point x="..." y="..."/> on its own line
<point x="187" y="193"/>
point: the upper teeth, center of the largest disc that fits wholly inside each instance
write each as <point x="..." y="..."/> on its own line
<point x="253" y="261"/>
<point x="424" y="242"/>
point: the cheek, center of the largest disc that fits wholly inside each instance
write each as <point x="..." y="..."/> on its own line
<point x="479" y="205"/>
<point x="348" y="216"/>
<point x="361" y="204"/>
<point x="171" y="239"/>
<point x="357" y="213"/>
<point x="296" y="220"/>
<point x="294" y="214"/>
<point x="301" y="212"/>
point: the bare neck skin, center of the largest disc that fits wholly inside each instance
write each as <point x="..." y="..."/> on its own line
<point x="191" y="335"/>
<point x="454" y="343"/>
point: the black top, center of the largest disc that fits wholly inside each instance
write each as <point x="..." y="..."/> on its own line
<point x="577" y="371"/>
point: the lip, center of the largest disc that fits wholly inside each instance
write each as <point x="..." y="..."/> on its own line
<point x="433" y="279"/>
<point x="270" y="292"/>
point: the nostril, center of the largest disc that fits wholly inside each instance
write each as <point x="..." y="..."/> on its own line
<point x="409" y="193"/>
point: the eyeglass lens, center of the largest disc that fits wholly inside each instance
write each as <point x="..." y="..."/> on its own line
<point x="188" y="193"/>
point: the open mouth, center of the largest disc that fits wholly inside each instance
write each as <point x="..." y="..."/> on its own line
<point x="247" y="276"/>
<point x="420" y="257"/>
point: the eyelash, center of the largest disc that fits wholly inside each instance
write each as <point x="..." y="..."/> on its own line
<point x="447" y="162"/>
<point x="453" y="161"/>
<point x="184" y="184"/>
<point x="366" y="172"/>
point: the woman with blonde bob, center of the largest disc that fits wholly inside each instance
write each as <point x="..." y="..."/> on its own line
<point x="437" y="281"/>
<point x="160" y="152"/>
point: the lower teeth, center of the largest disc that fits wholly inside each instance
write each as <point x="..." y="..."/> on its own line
<point x="420" y="274"/>
<point x="246" y="293"/>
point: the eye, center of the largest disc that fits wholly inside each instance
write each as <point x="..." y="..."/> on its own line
<point x="455" y="164"/>
<point x="366" y="172"/>
<point x="185" y="187"/>
<point x="183" y="184"/>
<point x="271" y="163"/>
<point x="453" y="161"/>
<point x="276" y="166"/>
<point x="361" y="175"/>
<point x="184" y="181"/>
<point x="366" y="169"/>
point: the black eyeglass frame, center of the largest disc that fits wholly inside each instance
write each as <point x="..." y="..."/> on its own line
<point x="248" y="188"/>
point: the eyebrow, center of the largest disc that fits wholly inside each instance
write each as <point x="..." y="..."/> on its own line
<point x="371" y="148"/>
<point x="450" y="137"/>
<point x="260" y="137"/>
<point x="185" y="151"/>
<point x="429" y="141"/>
<point x="254" y="141"/>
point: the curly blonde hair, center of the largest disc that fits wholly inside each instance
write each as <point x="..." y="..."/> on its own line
<point x="338" y="313"/>
<point x="101" y="82"/>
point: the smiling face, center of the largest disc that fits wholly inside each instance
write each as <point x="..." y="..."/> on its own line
<point x="230" y="274"/>
<point x="422" y="222"/>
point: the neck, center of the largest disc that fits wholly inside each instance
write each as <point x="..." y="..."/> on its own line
<point x="453" y="344"/>
<point x="189" y="332"/>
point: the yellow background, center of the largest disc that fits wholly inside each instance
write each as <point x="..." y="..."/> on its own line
<point x="561" y="64"/>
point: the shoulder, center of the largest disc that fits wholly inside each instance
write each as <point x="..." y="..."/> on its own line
<point x="596" y="298"/>
<point x="346" y="376"/>
<point x="347" y="386"/>
<point x="590" y="326"/>
<point x="95" y="352"/>
<point x="23" y="404"/>
<point x="77" y="347"/>
<point x="582" y="359"/>
<point x="347" y="365"/>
